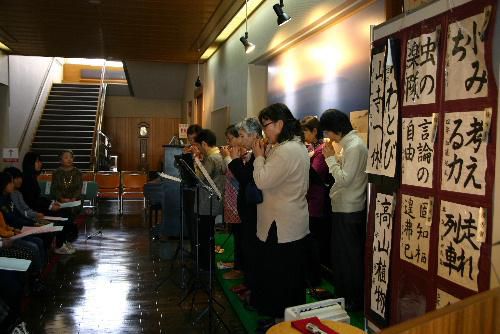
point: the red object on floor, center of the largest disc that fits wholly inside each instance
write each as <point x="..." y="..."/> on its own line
<point x="300" y="325"/>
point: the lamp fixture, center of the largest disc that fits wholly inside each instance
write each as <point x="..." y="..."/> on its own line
<point x="282" y="16"/>
<point x="249" y="47"/>
<point x="197" y="83"/>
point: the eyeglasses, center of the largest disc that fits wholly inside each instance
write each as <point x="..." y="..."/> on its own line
<point x="265" y="125"/>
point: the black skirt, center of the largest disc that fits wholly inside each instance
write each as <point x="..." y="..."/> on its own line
<point x="280" y="272"/>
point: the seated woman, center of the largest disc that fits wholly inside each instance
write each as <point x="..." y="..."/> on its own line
<point x="30" y="189"/>
<point x="215" y="168"/>
<point x="283" y="217"/>
<point x="66" y="187"/>
<point x="17" y="197"/>
<point x="241" y="166"/>
<point x="15" y="223"/>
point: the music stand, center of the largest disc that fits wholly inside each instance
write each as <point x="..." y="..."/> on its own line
<point x="197" y="284"/>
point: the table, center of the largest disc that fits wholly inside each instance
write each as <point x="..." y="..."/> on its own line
<point x="285" y="327"/>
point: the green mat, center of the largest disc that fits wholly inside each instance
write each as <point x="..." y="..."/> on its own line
<point x="249" y="318"/>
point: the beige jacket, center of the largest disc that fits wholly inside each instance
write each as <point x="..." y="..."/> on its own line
<point x="283" y="177"/>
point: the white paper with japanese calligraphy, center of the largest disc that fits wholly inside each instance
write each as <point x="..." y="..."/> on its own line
<point x="420" y="69"/>
<point x="415" y="232"/>
<point x="383" y="116"/>
<point x="382" y="241"/>
<point x="466" y="76"/>
<point x="418" y="151"/>
<point x="444" y="299"/>
<point x="459" y="250"/>
<point x="464" y="153"/>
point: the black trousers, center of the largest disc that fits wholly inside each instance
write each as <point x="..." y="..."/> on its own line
<point x="348" y="245"/>
<point x="248" y="249"/>
<point x="321" y="231"/>
<point x="280" y="275"/>
<point x="237" y="230"/>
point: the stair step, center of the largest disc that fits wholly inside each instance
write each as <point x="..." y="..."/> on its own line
<point x="54" y="111"/>
<point x="57" y="92"/>
<point x="75" y="85"/>
<point x="64" y="134"/>
<point x="47" y="138"/>
<point x="65" y="125"/>
<point x="72" y="98"/>
<point x="71" y="103"/>
<point x="55" y="152"/>
<point x="57" y="145"/>
<point x="69" y="118"/>
<point x="64" y="121"/>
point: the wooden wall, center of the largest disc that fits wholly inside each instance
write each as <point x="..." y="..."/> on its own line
<point x="124" y="134"/>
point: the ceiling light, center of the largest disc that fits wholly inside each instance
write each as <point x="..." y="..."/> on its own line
<point x="249" y="47"/>
<point x="4" y="47"/>
<point x="282" y="16"/>
<point x="197" y="83"/>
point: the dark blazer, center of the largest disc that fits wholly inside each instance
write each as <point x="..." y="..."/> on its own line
<point x="244" y="174"/>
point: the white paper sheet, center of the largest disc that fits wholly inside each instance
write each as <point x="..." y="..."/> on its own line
<point x="459" y="251"/>
<point x="444" y="299"/>
<point x="418" y="151"/>
<point x="62" y="219"/>
<point x="71" y="204"/>
<point x="420" y="70"/>
<point x="415" y="233"/>
<point x="466" y="75"/>
<point x="382" y="242"/>
<point x="9" y="263"/>
<point x="464" y="153"/>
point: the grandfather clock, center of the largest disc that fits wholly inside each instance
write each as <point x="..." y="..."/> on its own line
<point x="143" y="132"/>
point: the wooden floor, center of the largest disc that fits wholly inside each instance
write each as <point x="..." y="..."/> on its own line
<point x="108" y="286"/>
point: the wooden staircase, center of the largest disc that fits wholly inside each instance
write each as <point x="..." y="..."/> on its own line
<point x="68" y="122"/>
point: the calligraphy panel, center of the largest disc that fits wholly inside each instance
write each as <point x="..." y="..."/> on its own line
<point x="444" y="299"/>
<point x="464" y="152"/>
<point x="415" y="230"/>
<point x="382" y="241"/>
<point x="466" y="75"/>
<point x="418" y="151"/>
<point x="375" y="117"/>
<point x="420" y="69"/>
<point x="383" y="115"/>
<point x="459" y="248"/>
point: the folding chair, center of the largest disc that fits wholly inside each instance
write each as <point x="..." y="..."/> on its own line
<point x="109" y="187"/>
<point x="133" y="187"/>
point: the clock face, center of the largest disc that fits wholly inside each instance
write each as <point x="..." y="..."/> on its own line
<point x="143" y="131"/>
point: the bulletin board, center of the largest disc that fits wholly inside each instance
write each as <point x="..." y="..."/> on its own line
<point x="430" y="215"/>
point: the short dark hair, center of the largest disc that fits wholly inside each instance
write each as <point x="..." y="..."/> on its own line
<point x="5" y="179"/>
<point x="336" y="121"/>
<point x="66" y="151"/>
<point x="232" y="130"/>
<point x="194" y="129"/>
<point x="280" y="112"/>
<point x="14" y="172"/>
<point x="206" y="136"/>
<point x="310" y="123"/>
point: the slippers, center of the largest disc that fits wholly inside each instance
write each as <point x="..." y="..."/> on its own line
<point x="238" y="288"/>
<point x="219" y="249"/>
<point x="233" y="274"/>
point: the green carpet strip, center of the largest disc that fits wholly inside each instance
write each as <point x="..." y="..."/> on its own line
<point x="249" y="317"/>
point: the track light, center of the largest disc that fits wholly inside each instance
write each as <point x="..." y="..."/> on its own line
<point x="282" y="16"/>
<point x="197" y="83"/>
<point x="249" y="47"/>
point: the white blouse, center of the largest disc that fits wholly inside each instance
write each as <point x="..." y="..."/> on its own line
<point x="283" y="177"/>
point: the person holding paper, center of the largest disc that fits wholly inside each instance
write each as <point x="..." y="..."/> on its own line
<point x="17" y="197"/>
<point x="212" y="171"/>
<point x="283" y="217"/>
<point x="348" y="198"/>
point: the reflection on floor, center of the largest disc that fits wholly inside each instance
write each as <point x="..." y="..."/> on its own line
<point x="108" y="285"/>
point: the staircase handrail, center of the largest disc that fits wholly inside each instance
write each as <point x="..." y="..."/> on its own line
<point x="98" y="118"/>
<point x="41" y="89"/>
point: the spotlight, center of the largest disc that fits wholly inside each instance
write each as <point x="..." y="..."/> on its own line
<point x="249" y="47"/>
<point x="282" y="16"/>
<point x="197" y="83"/>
